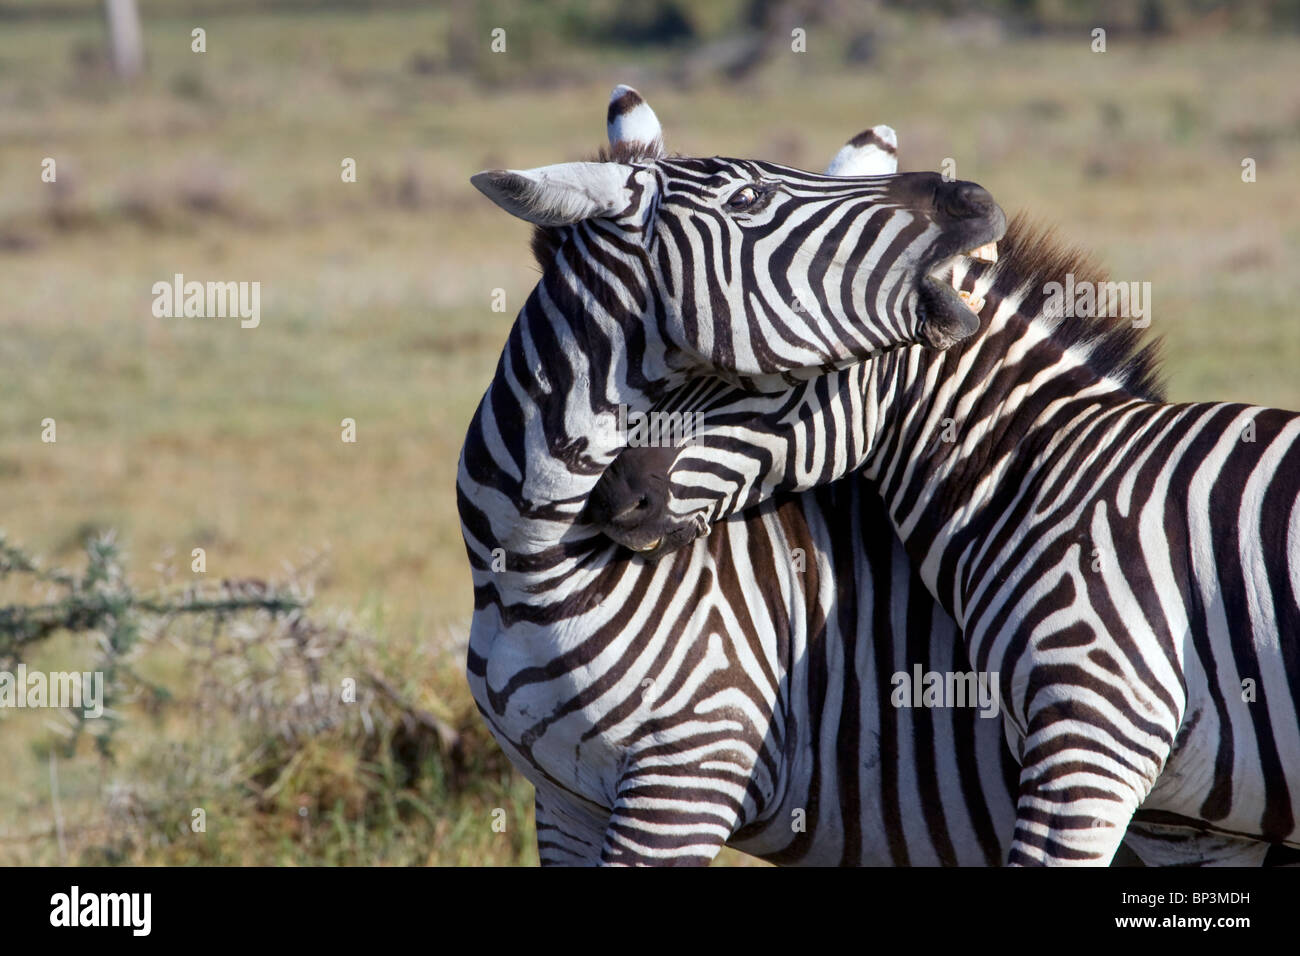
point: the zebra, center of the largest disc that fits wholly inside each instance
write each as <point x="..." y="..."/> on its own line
<point x="662" y="709"/>
<point x="1130" y="567"/>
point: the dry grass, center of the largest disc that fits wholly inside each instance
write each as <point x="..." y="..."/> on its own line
<point x="375" y="306"/>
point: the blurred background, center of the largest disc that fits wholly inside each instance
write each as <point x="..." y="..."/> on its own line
<point x="328" y="562"/>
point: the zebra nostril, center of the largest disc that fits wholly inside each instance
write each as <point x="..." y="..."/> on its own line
<point x="966" y="200"/>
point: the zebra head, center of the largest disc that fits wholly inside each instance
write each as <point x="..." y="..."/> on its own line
<point x="748" y="269"/>
<point x="633" y="503"/>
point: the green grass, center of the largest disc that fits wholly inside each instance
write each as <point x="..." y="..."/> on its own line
<point x="184" y="433"/>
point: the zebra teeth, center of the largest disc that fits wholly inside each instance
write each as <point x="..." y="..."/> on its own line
<point x="987" y="252"/>
<point x="651" y="546"/>
<point x="973" y="303"/>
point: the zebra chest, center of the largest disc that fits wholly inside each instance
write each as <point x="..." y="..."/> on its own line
<point x="583" y="707"/>
<point x="548" y="713"/>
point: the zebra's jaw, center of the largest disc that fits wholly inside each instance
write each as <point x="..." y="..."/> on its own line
<point x="985" y="253"/>
<point x="945" y="319"/>
<point x="949" y="315"/>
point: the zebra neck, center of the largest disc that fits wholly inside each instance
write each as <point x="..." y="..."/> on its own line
<point x="964" y="437"/>
<point x="544" y="432"/>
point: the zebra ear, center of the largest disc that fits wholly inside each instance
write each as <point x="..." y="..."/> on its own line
<point x="559" y="195"/>
<point x="631" y="123"/>
<point x="873" y="152"/>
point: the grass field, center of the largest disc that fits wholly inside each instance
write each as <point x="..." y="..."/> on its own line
<point x="184" y="433"/>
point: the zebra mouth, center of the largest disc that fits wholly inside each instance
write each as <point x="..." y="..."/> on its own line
<point x="985" y="253"/>
<point x="946" y="314"/>
<point x="658" y="535"/>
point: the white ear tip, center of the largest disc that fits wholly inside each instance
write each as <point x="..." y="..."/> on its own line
<point x="627" y="108"/>
<point x="880" y="137"/>
<point x="873" y="152"/>
<point x="631" y="120"/>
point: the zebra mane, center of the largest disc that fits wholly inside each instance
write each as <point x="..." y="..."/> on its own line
<point x="546" y="240"/>
<point x="1031" y="255"/>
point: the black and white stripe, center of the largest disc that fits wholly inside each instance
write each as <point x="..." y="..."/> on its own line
<point x="662" y="709"/>
<point x="1131" y="568"/>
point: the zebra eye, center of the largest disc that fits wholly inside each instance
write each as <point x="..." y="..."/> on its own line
<point x="743" y="198"/>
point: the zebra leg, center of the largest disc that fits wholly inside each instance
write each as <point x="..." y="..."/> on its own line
<point x="1068" y="826"/>
<point x="566" y="835"/>
<point x="1079" y="789"/>
<point x="659" y="821"/>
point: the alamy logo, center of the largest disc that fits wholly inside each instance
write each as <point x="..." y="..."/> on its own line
<point x="658" y="429"/>
<point x="208" y="300"/>
<point x="76" y="690"/>
<point x="1122" y="300"/>
<point x="103" y="909"/>
<point x="946" y="689"/>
